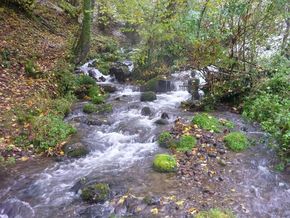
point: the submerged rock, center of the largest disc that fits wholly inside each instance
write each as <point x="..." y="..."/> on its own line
<point x="96" y="193"/>
<point x="146" y="111"/>
<point x="76" y="150"/>
<point x="148" y="96"/>
<point x="164" y="115"/>
<point x="97" y="211"/>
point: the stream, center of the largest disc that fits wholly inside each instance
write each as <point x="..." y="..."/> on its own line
<point x="121" y="153"/>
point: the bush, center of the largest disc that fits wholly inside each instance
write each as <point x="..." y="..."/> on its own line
<point x="164" y="139"/>
<point x="26" y="5"/>
<point x="186" y="143"/>
<point x="164" y="163"/>
<point x="89" y="108"/>
<point x="49" y="131"/>
<point x="85" y="80"/>
<point x="269" y="105"/>
<point x="207" y="122"/>
<point x="236" y="141"/>
<point x="215" y="213"/>
<point x="98" y="99"/>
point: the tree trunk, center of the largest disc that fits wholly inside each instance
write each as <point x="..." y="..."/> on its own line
<point x="83" y="45"/>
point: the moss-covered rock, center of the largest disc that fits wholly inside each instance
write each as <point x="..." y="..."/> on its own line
<point x="148" y="96"/>
<point x="165" y="139"/>
<point x="104" y="108"/>
<point x="76" y="150"/>
<point x="96" y="193"/>
<point x="236" y="141"/>
<point x="215" y="213"/>
<point x="186" y="143"/>
<point x="89" y="108"/>
<point x="207" y="122"/>
<point x="164" y="163"/>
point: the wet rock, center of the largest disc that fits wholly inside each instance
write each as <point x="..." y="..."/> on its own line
<point x="15" y="208"/>
<point x="146" y="111"/>
<point x="95" y="122"/>
<point x="162" y="122"/>
<point x="157" y="85"/>
<point x="152" y="200"/>
<point x="97" y="211"/>
<point x="148" y="96"/>
<point x="109" y="88"/>
<point x="164" y="115"/>
<point x="76" y="150"/>
<point x="96" y="193"/>
<point x="287" y="169"/>
<point x="120" y="71"/>
<point x="221" y="151"/>
<point x="222" y="162"/>
<point x="212" y="154"/>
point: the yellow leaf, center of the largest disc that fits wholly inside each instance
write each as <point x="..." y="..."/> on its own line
<point x="180" y="203"/>
<point x="24" y="158"/>
<point x="154" y="211"/>
<point x="122" y="199"/>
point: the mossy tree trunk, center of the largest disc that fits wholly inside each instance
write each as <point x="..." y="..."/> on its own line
<point x="83" y="45"/>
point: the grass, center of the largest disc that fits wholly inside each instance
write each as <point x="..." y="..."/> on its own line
<point x="207" y="122"/>
<point x="164" y="163"/>
<point x="89" y="108"/>
<point x="186" y="143"/>
<point x="236" y="141"/>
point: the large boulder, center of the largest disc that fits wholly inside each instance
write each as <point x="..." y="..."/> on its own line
<point x="157" y="85"/>
<point x="146" y="111"/>
<point x="76" y="150"/>
<point x="120" y="71"/>
<point x="148" y="96"/>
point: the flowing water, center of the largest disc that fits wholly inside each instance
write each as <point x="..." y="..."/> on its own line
<point x="121" y="153"/>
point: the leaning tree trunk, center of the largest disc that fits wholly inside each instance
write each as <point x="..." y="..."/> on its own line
<point x="83" y="45"/>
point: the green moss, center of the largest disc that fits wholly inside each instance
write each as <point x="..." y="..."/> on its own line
<point x="96" y="193"/>
<point x="165" y="139"/>
<point x="186" y="143"/>
<point x="215" y="213"/>
<point x="151" y="85"/>
<point x="68" y="8"/>
<point x="104" y="108"/>
<point x="89" y="108"/>
<point x="98" y="99"/>
<point x="207" y="122"/>
<point x="148" y="96"/>
<point x="164" y="163"/>
<point x="236" y="141"/>
<point x="49" y="131"/>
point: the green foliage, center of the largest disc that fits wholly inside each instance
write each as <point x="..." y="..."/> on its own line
<point x="68" y="8"/>
<point x="49" y="131"/>
<point x="26" y="5"/>
<point x="85" y="80"/>
<point x="186" y="143"/>
<point x="164" y="139"/>
<point x="96" y="193"/>
<point x="61" y="106"/>
<point x="31" y="69"/>
<point x="207" y="122"/>
<point x="269" y="105"/>
<point x="7" y="162"/>
<point x="89" y="108"/>
<point x="215" y="213"/>
<point x="236" y="141"/>
<point x="164" y="163"/>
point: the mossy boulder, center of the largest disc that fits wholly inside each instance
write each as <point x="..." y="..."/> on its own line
<point x="148" y="96"/>
<point x="104" y="108"/>
<point x="207" y="122"/>
<point x="165" y="139"/>
<point x="215" y="213"/>
<point x="186" y="143"/>
<point x="76" y="150"/>
<point x="236" y="141"/>
<point x="157" y="85"/>
<point x="164" y="163"/>
<point x="96" y="193"/>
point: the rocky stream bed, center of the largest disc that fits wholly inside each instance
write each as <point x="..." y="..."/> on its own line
<point x="122" y="144"/>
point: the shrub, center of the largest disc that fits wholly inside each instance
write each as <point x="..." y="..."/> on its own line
<point x="85" y="80"/>
<point x="236" y="141"/>
<point x="164" y="163"/>
<point x="98" y="99"/>
<point x="186" y="143"/>
<point x="89" y="108"/>
<point x="215" y="213"/>
<point x="49" y="131"/>
<point x="164" y="139"/>
<point x="207" y="122"/>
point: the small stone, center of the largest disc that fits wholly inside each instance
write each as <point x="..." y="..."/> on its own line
<point x="211" y="154"/>
<point x="222" y="162"/>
